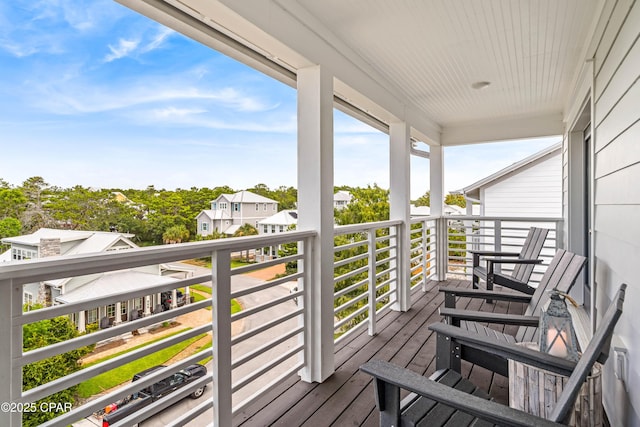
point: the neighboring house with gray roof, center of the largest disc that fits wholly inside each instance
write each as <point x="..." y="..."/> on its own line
<point x="341" y="199"/>
<point x="279" y="223"/>
<point x="531" y="187"/>
<point x="47" y="242"/>
<point x="230" y="211"/>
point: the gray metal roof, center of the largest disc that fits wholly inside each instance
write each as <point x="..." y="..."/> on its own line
<point x="526" y="162"/>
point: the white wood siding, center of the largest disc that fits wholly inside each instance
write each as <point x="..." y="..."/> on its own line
<point x="535" y="192"/>
<point x="616" y="119"/>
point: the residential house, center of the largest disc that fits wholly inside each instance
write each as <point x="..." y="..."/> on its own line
<point x="230" y="211"/>
<point x="531" y="187"/>
<point x="279" y="223"/>
<point x="341" y="199"/>
<point x="47" y="242"/>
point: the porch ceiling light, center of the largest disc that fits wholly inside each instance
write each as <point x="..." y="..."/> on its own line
<point x="480" y="85"/>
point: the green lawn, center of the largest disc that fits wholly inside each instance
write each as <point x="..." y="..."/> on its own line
<point x="235" y="305"/>
<point x="202" y="288"/>
<point x="124" y="373"/>
<point x="95" y="362"/>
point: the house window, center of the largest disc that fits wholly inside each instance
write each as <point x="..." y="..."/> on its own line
<point x="265" y="228"/>
<point x="256" y="225"/>
<point x="214" y="206"/>
<point x="273" y="228"/>
<point x="111" y="310"/>
<point x="223" y="205"/>
<point x="204" y="226"/>
<point x="92" y="316"/>
<point x="23" y="254"/>
<point x="137" y="304"/>
<point x="257" y="207"/>
<point x="123" y="308"/>
<point x="282" y="228"/>
<point x="27" y="299"/>
<point x="236" y="207"/>
<point x="264" y="206"/>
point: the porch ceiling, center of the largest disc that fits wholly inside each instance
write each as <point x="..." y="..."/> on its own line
<point x="417" y="60"/>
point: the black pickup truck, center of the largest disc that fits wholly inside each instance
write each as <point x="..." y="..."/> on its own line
<point x="127" y="406"/>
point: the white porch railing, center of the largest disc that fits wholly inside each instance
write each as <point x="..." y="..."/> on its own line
<point x="248" y="358"/>
<point x="246" y="365"/>
<point x="495" y="234"/>
<point x="366" y="270"/>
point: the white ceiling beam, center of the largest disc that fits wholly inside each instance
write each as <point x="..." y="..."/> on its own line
<point x="503" y="129"/>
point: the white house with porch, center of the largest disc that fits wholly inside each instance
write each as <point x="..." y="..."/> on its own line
<point x="443" y="73"/>
<point x="48" y="242"/>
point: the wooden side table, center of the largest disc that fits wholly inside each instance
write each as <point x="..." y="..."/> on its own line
<point x="536" y="391"/>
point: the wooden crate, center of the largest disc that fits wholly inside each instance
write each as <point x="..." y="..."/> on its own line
<point x="536" y="391"/>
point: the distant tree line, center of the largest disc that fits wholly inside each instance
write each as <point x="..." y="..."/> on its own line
<point x="154" y="215"/>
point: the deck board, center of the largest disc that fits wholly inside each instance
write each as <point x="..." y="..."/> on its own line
<point x="346" y="398"/>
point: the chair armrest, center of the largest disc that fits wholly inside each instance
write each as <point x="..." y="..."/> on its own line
<point x="493" y="253"/>
<point x="506" y="350"/>
<point x="493" y="412"/>
<point x="480" y="293"/>
<point x="513" y="261"/>
<point x="479" y="316"/>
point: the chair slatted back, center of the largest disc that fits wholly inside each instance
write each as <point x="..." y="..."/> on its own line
<point x="531" y="249"/>
<point x="562" y="273"/>
<point x="599" y="342"/>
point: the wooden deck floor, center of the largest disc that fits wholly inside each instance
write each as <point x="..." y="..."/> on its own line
<point x="346" y="399"/>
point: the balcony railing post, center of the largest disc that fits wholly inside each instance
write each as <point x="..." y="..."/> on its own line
<point x="559" y="235"/>
<point x="221" y="318"/>
<point x="11" y="339"/>
<point x="497" y="245"/>
<point x="371" y="237"/>
<point x="425" y="263"/>
<point x="442" y="248"/>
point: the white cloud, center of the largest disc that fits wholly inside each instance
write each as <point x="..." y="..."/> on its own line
<point x="139" y="44"/>
<point x="158" y="39"/>
<point x="123" y="49"/>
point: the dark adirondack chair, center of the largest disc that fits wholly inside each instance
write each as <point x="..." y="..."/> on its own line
<point x="524" y="261"/>
<point x="561" y="274"/>
<point x="448" y="399"/>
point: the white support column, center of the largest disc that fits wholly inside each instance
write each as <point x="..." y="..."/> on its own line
<point x="147" y="305"/>
<point x="436" y="193"/>
<point x="221" y="318"/>
<point x="315" y="212"/>
<point x="118" y="316"/>
<point x="399" y="200"/>
<point x="174" y="298"/>
<point x="82" y="322"/>
<point x="436" y="175"/>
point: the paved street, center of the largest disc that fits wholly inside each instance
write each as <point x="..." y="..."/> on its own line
<point x="252" y="300"/>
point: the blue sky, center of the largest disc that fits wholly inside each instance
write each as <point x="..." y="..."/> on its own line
<point x="96" y="95"/>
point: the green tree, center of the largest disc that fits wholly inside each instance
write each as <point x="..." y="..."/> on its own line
<point x="456" y="199"/>
<point x="44" y="333"/>
<point x="368" y="205"/>
<point x="246" y="230"/>
<point x="175" y="234"/>
<point x="424" y="200"/>
<point x="13" y="202"/>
